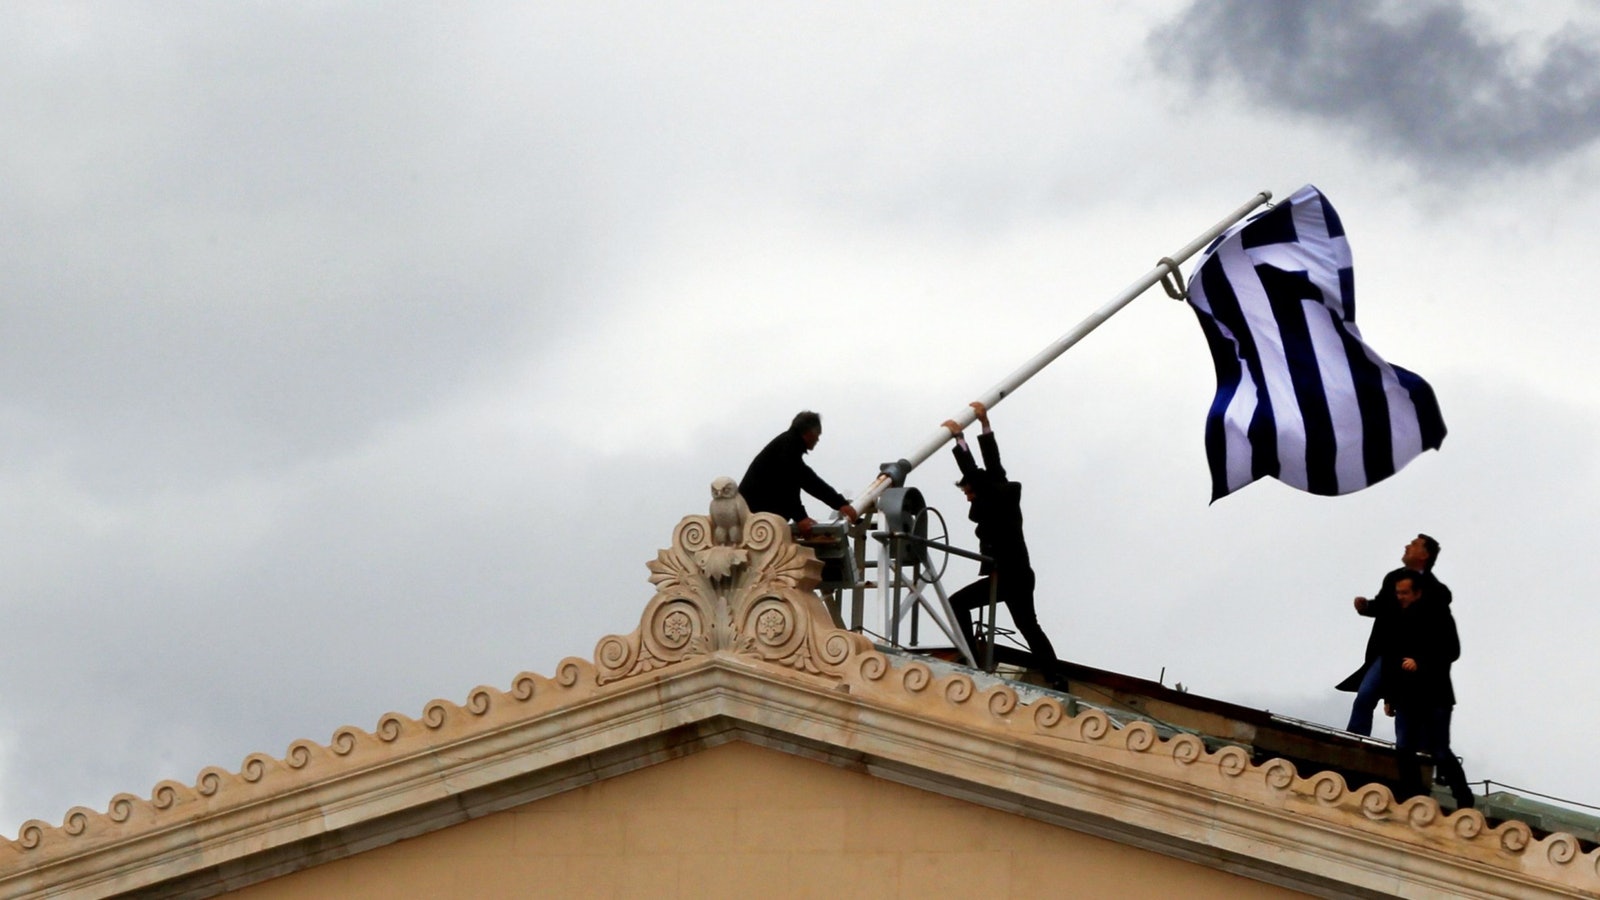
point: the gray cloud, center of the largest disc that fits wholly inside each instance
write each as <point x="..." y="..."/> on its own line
<point x="1425" y="80"/>
<point x="244" y="245"/>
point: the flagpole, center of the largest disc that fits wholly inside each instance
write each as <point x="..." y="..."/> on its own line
<point x="1167" y="266"/>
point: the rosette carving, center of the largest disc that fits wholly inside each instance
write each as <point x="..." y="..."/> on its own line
<point x="753" y="599"/>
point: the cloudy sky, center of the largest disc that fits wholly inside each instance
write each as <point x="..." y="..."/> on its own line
<point x="354" y="357"/>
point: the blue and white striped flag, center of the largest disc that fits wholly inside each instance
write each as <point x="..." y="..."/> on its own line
<point x="1300" y="397"/>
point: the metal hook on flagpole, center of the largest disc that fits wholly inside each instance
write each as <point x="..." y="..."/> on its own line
<point x="1172" y="279"/>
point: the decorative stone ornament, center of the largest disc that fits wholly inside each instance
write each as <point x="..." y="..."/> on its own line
<point x="753" y="599"/>
<point x="728" y="512"/>
<point x="728" y="515"/>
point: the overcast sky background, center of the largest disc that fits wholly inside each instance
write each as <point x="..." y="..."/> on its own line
<point x="356" y="356"/>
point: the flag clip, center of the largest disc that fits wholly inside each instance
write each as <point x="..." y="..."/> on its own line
<point x="1172" y="280"/>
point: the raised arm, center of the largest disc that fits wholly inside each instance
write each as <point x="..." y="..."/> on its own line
<point x="987" y="444"/>
<point x="963" y="454"/>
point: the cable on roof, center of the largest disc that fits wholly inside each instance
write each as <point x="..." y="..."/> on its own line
<point x="1521" y="790"/>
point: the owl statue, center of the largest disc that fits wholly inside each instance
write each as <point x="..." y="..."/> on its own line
<point x="728" y="512"/>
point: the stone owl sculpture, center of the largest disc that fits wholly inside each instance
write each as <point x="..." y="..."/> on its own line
<point x="728" y="512"/>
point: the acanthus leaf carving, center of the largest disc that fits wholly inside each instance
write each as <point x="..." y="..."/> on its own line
<point x="753" y="598"/>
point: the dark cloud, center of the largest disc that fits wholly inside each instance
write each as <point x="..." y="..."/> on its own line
<point x="1426" y="81"/>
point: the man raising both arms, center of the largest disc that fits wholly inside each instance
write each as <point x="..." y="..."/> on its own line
<point x="996" y="510"/>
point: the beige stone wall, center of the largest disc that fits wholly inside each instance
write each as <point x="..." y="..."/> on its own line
<point x="742" y="821"/>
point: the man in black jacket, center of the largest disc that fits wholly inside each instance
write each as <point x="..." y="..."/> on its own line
<point x="996" y="508"/>
<point x="776" y="476"/>
<point x="1417" y="559"/>
<point x="1416" y="650"/>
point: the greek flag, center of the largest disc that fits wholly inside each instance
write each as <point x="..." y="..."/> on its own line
<point x="1300" y="396"/>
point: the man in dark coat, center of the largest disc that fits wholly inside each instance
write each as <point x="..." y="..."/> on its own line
<point x="996" y="508"/>
<point x="1417" y="649"/>
<point x="779" y="472"/>
<point x="1417" y="559"/>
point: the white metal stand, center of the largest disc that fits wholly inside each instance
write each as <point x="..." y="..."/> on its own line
<point x="900" y="596"/>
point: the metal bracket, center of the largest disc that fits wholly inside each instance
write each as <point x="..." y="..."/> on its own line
<point x="1172" y="280"/>
<point x="897" y="471"/>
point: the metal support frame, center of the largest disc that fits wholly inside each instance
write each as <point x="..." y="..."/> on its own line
<point x="897" y="605"/>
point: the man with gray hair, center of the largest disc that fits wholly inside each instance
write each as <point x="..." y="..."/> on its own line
<point x="779" y="472"/>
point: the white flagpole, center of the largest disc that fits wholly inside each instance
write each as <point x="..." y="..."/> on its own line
<point x="1168" y="265"/>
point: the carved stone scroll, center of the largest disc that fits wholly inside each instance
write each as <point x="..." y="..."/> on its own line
<point x="753" y="598"/>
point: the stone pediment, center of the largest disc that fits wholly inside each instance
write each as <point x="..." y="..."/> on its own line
<point x="734" y="645"/>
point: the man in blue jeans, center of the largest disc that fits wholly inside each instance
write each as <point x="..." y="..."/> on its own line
<point x="1416" y="560"/>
